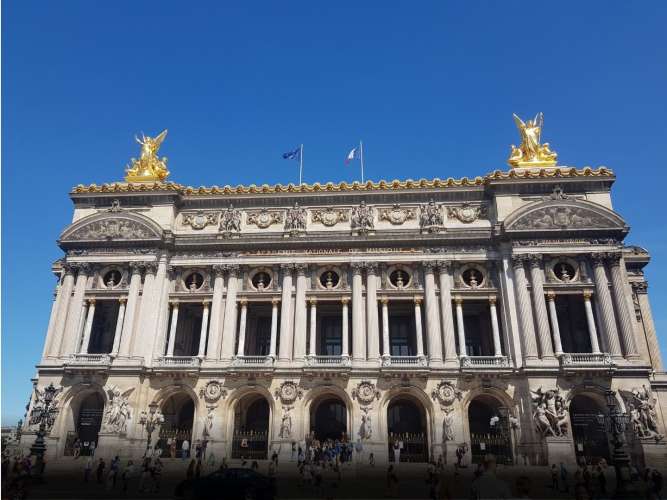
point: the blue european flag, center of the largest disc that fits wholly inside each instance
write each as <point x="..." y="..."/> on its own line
<point x="293" y="155"/>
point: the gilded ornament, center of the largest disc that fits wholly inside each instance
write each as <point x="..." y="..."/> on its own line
<point x="530" y="153"/>
<point x="148" y="168"/>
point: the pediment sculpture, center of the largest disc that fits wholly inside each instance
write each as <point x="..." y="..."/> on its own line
<point x="116" y="226"/>
<point x="562" y="215"/>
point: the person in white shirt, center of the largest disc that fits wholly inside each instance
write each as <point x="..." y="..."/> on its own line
<point x="185" y="449"/>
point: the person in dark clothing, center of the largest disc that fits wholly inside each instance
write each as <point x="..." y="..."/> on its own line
<point x="100" y="470"/>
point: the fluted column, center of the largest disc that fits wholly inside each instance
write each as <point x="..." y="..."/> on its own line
<point x="216" y="314"/>
<point x="433" y="332"/>
<point x="89" y="326"/>
<point x="63" y="300"/>
<point x="160" y="317"/>
<point x="204" y="329"/>
<point x="286" y="338"/>
<point x="625" y="315"/>
<point x="119" y="325"/>
<point x="231" y="314"/>
<point x="130" y="311"/>
<point x="525" y="312"/>
<point x="345" y="330"/>
<point x="537" y="281"/>
<point x="57" y="297"/>
<point x="606" y="306"/>
<point x="641" y="289"/>
<point x="590" y="319"/>
<point x="240" y="350"/>
<point x="386" y="345"/>
<point x="312" y="351"/>
<point x="358" y="331"/>
<point x="444" y="269"/>
<point x="372" y="332"/>
<point x="274" y="327"/>
<point x="418" y="326"/>
<point x="495" y="328"/>
<point x="460" y="327"/>
<point x="553" y="316"/>
<point x="75" y="312"/>
<point x="143" y="338"/>
<point x="300" y="313"/>
<point x="172" y="329"/>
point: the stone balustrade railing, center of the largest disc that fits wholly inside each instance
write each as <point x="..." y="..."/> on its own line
<point x="253" y="361"/>
<point x="586" y="359"/>
<point x="485" y="362"/>
<point x="89" y="359"/>
<point x="178" y="361"/>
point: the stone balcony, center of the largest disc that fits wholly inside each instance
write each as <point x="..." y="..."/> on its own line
<point x="253" y="361"/>
<point x="175" y="363"/>
<point x="328" y="361"/>
<point x="485" y="363"/>
<point x="88" y="362"/>
<point x="405" y="362"/>
<point x="585" y="360"/>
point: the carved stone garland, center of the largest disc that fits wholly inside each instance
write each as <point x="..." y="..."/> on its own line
<point x="199" y="220"/>
<point x="397" y="215"/>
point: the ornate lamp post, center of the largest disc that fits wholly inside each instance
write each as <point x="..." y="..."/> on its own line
<point x="43" y="413"/>
<point x="150" y="421"/>
<point x="615" y="424"/>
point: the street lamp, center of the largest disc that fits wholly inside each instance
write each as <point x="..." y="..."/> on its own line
<point x="44" y="414"/>
<point x="615" y="424"/>
<point x="150" y="421"/>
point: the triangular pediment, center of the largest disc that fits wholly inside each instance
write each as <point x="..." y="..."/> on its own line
<point x="108" y="226"/>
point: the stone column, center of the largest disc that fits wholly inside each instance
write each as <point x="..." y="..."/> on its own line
<point x="525" y="313"/>
<point x="89" y="326"/>
<point x="145" y="333"/>
<point x="495" y="329"/>
<point x="300" y="313"/>
<point x="433" y="333"/>
<point x="159" y="318"/>
<point x="590" y="319"/>
<point x="75" y="312"/>
<point x="204" y="329"/>
<point x="240" y="350"/>
<point x="312" y="341"/>
<point x="537" y="281"/>
<point x="386" y="345"/>
<point x="130" y="312"/>
<point x="444" y="268"/>
<point x="229" y="323"/>
<point x="119" y="325"/>
<point x="345" y="330"/>
<point x="625" y="316"/>
<point x="57" y="297"/>
<point x="285" y="353"/>
<point x="606" y="306"/>
<point x="418" y="326"/>
<point x="274" y="327"/>
<point x="217" y="311"/>
<point x="172" y="328"/>
<point x="372" y="332"/>
<point x="65" y="294"/>
<point x="641" y="289"/>
<point x="553" y="316"/>
<point x="459" y="326"/>
<point x="358" y="333"/>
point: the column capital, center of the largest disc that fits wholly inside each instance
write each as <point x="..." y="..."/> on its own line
<point x="444" y="266"/>
<point x="206" y="303"/>
<point x="417" y="300"/>
<point x="640" y="287"/>
<point x="588" y="294"/>
<point x="371" y="267"/>
<point x="81" y="267"/>
<point x="275" y="301"/>
<point x="122" y="300"/>
<point x="598" y="258"/>
<point x="233" y="270"/>
<point x="219" y="269"/>
<point x="493" y="299"/>
<point x="301" y="269"/>
<point x="136" y="267"/>
<point x="174" y="303"/>
<point x="429" y="266"/>
<point x="312" y="301"/>
<point x="535" y="260"/>
<point x="614" y="258"/>
<point x="243" y="302"/>
<point x="384" y="300"/>
<point x="458" y="300"/>
<point x="356" y="267"/>
<point x="91" y="302"/>
<point x="518" y="260"/>
<point x="151" y="267"/>
<point x="345" y="300"/>
<point x="69" y="268"/>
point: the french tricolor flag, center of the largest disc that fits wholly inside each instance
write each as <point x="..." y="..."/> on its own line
<point x="352" y="155"/>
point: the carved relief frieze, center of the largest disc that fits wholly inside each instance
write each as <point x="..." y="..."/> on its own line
<point x="397" y="215"/>
<point x="430" y="218"/>
<point x="213" y="391"/>
<point x="446" y="393"/>
<point x="118" y="411"/>
<point x="467" y="213"/>
<point x="330" y="216"/>
<point x="365" y="392"/>
<point x="264" y="218"/>
<point x="199" y="220"/>
<point x="288" y="392"/>
<point x="362" y="219"/>
<point x="112" y="229"/>
<point x="230" y="221"/>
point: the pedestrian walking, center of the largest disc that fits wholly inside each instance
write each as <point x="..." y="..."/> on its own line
<point x="100" y="470"/>
<point x="88" y="469"/>
<point x="185" y="449"/>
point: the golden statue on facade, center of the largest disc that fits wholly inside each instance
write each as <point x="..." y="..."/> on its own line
<point x="530" y="152"/>
<point x="148" y="168"/>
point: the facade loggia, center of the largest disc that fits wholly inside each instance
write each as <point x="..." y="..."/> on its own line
<point x="491" y="314"/>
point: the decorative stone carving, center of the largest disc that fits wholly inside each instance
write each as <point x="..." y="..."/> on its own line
<point x="365" y="392"/>
<point x="466" y="213"/>
<point x="366" y="427"/>
<point x="213" y="391"/>
<point x="230" y="221"/>
<point x="210" y="416"/>
<point x="448" y="425"/>
<point x="199" y="220"/>
<point x="560" y="216"/>
<point x="288" y="392"/>
<point x="550" y="413"/>
<point x="118" y="410"/>
<point x="397" y="215"/>
<point x="116" y="228"/>
<point x="330" y="216"/>
<point x="362" y="218"/>
<point x="643" y="417"/>
<point x="445" y="393"/>
<point x="286" y="423"/>
<point x="430" y="218"/>
<point x="264" y="218"/>
<point x="295" y="220"/>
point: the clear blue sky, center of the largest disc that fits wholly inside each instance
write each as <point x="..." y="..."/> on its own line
<point x="429" y="87"/>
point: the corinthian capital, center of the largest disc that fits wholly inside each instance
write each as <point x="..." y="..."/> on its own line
<point x="218" y="269"/>
<point x="598" y="258"/>
<point x="429" y="266"/>
<point x="445" y="266"/>
<point x="371" y="267"/>
<point x="535" y="260"/>
<point x="518" y="260"/>
<point x="301" y="269"/>
<point x="640" y="286"/>
<point x="356" y="267"/>
<point x="151" y="267"/>
<point x="614" y="258"/>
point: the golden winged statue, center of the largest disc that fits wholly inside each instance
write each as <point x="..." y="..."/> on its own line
<point x="530" y="153"/>
<point x="148" y="168"/>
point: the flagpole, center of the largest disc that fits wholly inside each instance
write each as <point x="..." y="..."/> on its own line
<point x="300" y="163"/>
<point x="361" y="160"/>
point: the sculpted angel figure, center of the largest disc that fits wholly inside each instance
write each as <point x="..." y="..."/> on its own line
<point x="231" y="220"/>
<point x="366" y="430"/>
<point x="430" y="215"/>
<point x="530" y="149"/>
<point x="448" y="425"/>
<point x="148" y="167"/>
<point x="296" y="219"/>
<point x="362" y="217"/>
<point x="150" y="145"/>
<point x="286" y="424"/>
<point x="117" y="412"/>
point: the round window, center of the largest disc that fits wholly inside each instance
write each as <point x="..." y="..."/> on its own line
<point x="261" y="280"/>
<point x="472" y="277"/>
<point x="329" y="279"/>
<point x="399" y="278"/>
<point x="112" y="278"/>
<point x="194" y="282"/>
<point x="564" y="271"/>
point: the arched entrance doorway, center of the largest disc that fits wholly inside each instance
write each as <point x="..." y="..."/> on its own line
<point x="251" y="428"/>
<point x="590" y="439"/>
<point x="328" y="419"/>
<point x="406" y="425"/>
<point x="490" y="432"/>
<point x="179" y="416"/>
<point x="88" y="421"/>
